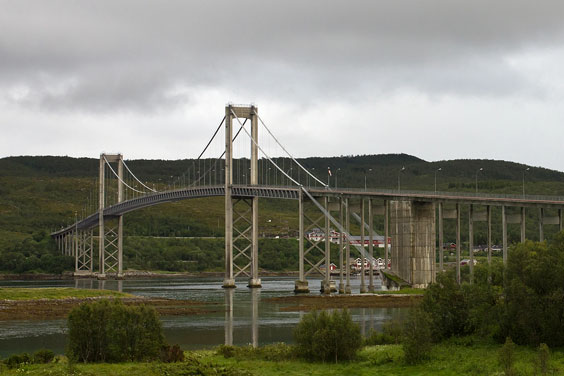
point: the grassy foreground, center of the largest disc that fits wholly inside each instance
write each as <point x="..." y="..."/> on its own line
<point x="453" y="357"/>
<point x="10" y="293"/>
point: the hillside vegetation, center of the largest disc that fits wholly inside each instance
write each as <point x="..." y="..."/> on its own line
<point x="41" y="194"/>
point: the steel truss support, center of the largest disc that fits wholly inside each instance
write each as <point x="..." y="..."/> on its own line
<point x="242" y="237"/>
<point x="84" y="259"/>
<point x="314" y="253"/>
<point x="241" y="227"/>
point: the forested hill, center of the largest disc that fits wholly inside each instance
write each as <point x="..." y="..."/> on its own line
<point x="381" y="171"/>
<point x="41" y="194"/>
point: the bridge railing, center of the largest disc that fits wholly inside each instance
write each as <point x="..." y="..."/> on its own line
<point x="405" y="192"/>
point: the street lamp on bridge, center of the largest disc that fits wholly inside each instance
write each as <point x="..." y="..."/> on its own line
<point x="481" y="169"/>
<point x="365" y="177"/>
<point x="527" y="169"/>
<point x="437" y="170"/>
<point x="399" y="181"/>
<point x="336" y="176"/>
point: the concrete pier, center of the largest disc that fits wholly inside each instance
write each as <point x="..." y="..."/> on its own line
<point x="413" y="241"/>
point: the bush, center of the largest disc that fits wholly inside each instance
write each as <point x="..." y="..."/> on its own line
<point x="506" y="357"/>
<point x="43" y="356"/>
<point x="543" y="358"/>
<point x="417" y="336"/>
<point x="172" y="354"/>
<point x="534" y="293"/>
<point x="327" y="336"/>
<point x="16" y="360"/>
<point x="109" y="331"/>
<point x="391" y="334"/>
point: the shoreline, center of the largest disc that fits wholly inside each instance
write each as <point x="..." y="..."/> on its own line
<point x="45" y="309"/>
<point x="129" y="274"/>
<point x="311" y="302"/>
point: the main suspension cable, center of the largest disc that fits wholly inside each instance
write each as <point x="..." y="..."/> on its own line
<point x="135" y="177"/>
<point x="266" y="155"/>
<point x="120" y="179"/>
<point x="288" y="153"/>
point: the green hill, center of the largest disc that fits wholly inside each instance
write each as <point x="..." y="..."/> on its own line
<point x="41" y="194"/>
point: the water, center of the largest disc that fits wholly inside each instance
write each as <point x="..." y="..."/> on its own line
<point x="239" y="316"/>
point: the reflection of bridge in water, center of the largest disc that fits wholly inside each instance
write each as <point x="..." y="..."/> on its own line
<point x="366" y="318"/>
<point x="408" y="217"/>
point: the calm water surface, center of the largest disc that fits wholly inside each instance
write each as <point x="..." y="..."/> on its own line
<point x="241" y="316"/>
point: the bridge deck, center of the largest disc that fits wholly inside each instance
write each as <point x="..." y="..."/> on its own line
<point x="293" y="193"/>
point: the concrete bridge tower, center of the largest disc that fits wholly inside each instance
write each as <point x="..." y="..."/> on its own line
<point x="110" y="243"/>
<point x="241" y="213"/>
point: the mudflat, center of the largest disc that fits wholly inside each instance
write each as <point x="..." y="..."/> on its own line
<point x="311" y="302"/>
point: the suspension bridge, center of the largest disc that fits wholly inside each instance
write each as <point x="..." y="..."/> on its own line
<point x="243" y="169"/>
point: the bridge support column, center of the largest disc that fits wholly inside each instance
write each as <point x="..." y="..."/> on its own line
<point x="363" y="250"/>
<point x="386" y="233"/>
<point x="348" y="248"/>
<point x="471" y="240"/>
<point x="254" y="281"/>
<point x="110" y="243"/>
<point x="242" y="224"/>
<point x="541" y="224"/>
<point x="559" y="219"/>
<point x="341" y="249"/>
<point x="370" y="246"/>
<point x="441" y="240"/>
<point x="326" y="287"/>
<point x="458" y="277"/>
<point x="301" y="285"/>
<point x="504" y="233"/>
<point x="413" y="242"/>
<point x="523" y="225"/>
<point x="489" y="219"/>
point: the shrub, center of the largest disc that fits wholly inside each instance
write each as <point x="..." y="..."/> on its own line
<point x="417" y="336"/>
<point x="109" y="331"/>
<point x="543" y="358"/>
<point x="16" y="360"/>
<point x="43" y="356"/>
<point x="506" y="357"/>
<point x="534" y="293"/>
<point x="391" y="334"/>
<point x="327" y="336"/>
<point x="172" y="354"/>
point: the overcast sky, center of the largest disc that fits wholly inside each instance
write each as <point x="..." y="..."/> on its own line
<point x="436" y="79"/>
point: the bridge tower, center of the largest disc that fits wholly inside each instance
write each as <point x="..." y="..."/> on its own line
<point x="110" y="243"/>
<point x="241" y="213"/>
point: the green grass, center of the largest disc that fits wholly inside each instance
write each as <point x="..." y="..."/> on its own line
<point x="464" y="356"/>
<point x="10" y="293"/>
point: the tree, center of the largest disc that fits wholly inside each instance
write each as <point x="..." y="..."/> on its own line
<point x="109" y="331"/>
<point x="417" y="339"/>
<point x="534" y="292"/>
<point x="328" y="336"/>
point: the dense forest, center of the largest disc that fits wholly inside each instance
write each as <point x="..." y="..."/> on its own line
<point x="41" y="194"/>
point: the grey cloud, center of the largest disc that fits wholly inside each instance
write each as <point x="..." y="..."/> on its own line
<point x="132" y="54"/>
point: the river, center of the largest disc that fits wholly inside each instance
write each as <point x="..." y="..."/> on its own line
<point x="240" y="316"/>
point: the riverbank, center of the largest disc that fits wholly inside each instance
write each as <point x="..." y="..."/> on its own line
<point x="132" y="274"/>
<point x="52" y="303"/>
<point x="461" y="356"/>
<point x="311" y="302"/>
